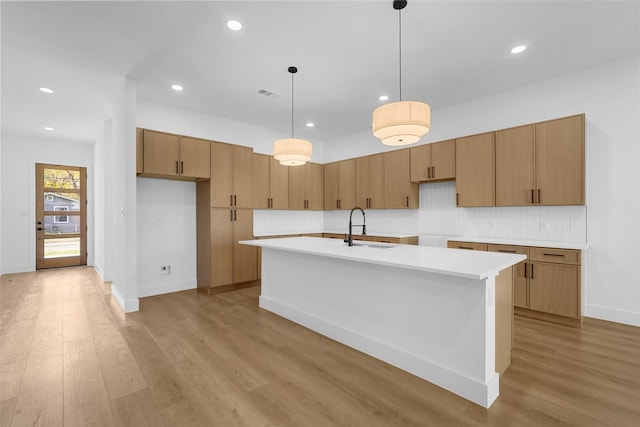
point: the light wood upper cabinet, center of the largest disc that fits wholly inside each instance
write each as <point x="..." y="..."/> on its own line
<point x="541" y="163"/>
<point x="475" y="170"/>
<point x="231" y="175"/>
<point x="399" y="191"/>
<point x="559" y="161"/>
<point x="433" y="162"/>
<point x="370" y="182"/>
<point x="169" y="155"/>
<point x="306" y="187"/>
<point x="515" y="172"/>
<point x="339" y="185"/>
<point x="139" y="151"/>
<point x="270" y="183"/>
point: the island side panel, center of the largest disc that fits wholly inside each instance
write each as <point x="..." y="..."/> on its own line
<point x="504" y="319"/>
<point x="439" y="327"/>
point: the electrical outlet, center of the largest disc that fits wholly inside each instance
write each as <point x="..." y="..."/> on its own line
<point x="492" y="224"/>
<point x="155" y="224"/>
<point x="165" y="269"/>
<point x="544" y="226"/>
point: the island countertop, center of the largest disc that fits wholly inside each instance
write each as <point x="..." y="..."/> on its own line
<point x="452" y="262"/>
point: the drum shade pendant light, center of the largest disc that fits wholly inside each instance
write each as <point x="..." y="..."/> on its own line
<point x="292" y="151"/>
<point x="401" y="122"/>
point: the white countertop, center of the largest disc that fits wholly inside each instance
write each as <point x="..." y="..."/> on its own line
<point x="357" y="232"/>
<point x="453" y="262"/>
<point x="517" y="242"/>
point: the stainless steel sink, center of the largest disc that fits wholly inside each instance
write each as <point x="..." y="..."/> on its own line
<point x="372" y="245"/>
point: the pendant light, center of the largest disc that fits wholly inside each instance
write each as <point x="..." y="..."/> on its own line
<point x="401" y="122"/>
<point x="292" y="151"/>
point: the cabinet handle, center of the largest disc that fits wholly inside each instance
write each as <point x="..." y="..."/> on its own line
<point x="525" y="270"/>
<point x="465" y="247"/>
<point x="428" y="172"/>
<point x="553" y="254"/>
<point x="181" y="167"/>
<point x="235" y="200"/>
<point x="235" y="215"/>
<point x="231" y="213"/>
<point x="506" y="251"/>
<point x="407" y="201"/>
<point x="532" y="271"/>
<point x="538" y="196"/>
<point x="457" y="199"/>
<point x="230" y="199"/>
<point x="177" y="170"/>
<point x="532" y="201"/>
<point x="433" y="171"/>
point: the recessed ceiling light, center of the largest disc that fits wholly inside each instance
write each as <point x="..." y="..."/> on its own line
<point x="383" y="97"/>
<point x="177" y="88"/>
<point x="46" y="90"/>
<point x="519" y="49"/>
<point x="310" y="125"/>
<point x="234" y="25"/>
<point x="49" y="128"/>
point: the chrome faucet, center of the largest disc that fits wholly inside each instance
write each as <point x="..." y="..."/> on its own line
<point x="349" y="240"/>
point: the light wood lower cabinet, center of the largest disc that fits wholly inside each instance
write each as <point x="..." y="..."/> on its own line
<point x="409" y="240"/>
<point x="547" y="285"/>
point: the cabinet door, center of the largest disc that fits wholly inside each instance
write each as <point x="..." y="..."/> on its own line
<point x="260" y="171"/>
<point x="245" y="258"/>
<point x="399" y="191"/>
<point x="376" y="182"/>
<point x="221" y="247"/>
<point x="221" y="175"/>
<point x="242" y="188"/>
<point x="443" y="160"/>
<point x="560" y="161"/>
<point x="362" y="182"/>
<point x="195" y="157"/>
<point x="314" y="184"/>
<point x="553" y="288"/>
<point x="520" y="279"/>
<point x="297" y="187"/>
<point x="347" y="184"/>
<point x="475" y="170"/>
<point x="278" y="184"/>
<point x="420" y="163"/>
<point x="331" y="185"/>
<point x="161" y="153"/>
<point x="515" y="158"/>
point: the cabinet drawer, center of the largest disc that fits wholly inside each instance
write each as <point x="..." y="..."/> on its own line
<point x="467" y="245"/>
<point x="507" y="249"/>
<point x="557" y="256"/>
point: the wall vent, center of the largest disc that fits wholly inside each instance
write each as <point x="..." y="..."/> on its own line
<point x="265" y="92"/>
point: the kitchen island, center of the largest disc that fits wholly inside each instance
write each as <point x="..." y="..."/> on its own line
<point x="444" y="315"/>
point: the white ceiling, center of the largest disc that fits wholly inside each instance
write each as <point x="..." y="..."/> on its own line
<point x="346" y="52"/>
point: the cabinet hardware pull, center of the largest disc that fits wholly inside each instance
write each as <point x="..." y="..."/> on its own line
<point x="231" y="213"/>
<point x="177" y="170"/>
<point x="525" y="269"/>
<point x="407" y="201"/>
<point x="538" y="196"/>
<point x="532" y="271"/>
<point x="553" y="254"/>
<point x="506" y="251"/>
<point x="457" y="199"/>
<point x="181" y="167"/>
<point x="235" y="200"/>
<point x="433" y="171"/>
<point x="532" y="201"/>
<point x="230" y="199"/>
<point x="428" y="172"/>
<point x="235" y="215"/>
<point x="465" y="247"/>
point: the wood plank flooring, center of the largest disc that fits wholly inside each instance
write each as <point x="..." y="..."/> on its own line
<point x="69" y="357"/>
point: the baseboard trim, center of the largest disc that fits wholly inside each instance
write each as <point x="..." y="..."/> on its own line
<point x="127" y="306"/>
<point x="165" y="288"/>
<point x="626" y="317"/>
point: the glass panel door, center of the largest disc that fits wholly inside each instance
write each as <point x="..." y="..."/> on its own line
<point x="61" y="219"/>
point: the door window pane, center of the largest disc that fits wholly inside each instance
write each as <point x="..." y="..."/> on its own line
<point x="58" y="248"/>
<point x="61" y="224"/>
<point x="61" y="178"/>
<point x="54" y="201"/>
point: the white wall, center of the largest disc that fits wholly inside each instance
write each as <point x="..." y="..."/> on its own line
<point x="609" y="95"/>
<point x="102" y="204"/>
<point x="19" y="156"/>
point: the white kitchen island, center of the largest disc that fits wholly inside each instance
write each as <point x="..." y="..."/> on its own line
<point x="444" y="315"/>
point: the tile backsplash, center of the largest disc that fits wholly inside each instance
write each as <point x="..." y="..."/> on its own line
<point x="439" y="216"/>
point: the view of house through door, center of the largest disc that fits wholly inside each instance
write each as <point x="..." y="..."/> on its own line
<point x="61" y="216"/>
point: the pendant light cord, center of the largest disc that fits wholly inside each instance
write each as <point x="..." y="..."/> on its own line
<point x="291" y="105"/>
<point x="400" y="51"/>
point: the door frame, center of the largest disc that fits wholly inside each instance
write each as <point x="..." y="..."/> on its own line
<point x="40" y="213"/>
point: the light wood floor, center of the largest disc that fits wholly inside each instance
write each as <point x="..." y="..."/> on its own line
<point x="70" y="357"/>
